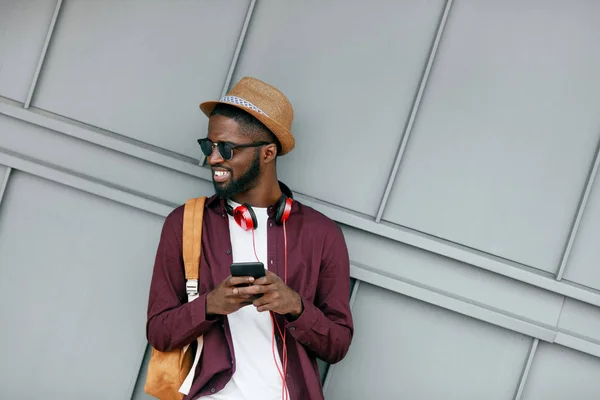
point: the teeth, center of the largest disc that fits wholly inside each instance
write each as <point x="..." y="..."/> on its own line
<point x="221" y="173"/>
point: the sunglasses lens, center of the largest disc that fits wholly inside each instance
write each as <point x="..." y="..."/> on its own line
<point x="205" y="146"/>
<point x="225" y="150"/>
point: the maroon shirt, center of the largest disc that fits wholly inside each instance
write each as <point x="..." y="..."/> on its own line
<point x="318" y="270"/>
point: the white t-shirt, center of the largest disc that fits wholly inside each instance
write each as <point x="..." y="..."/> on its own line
<point x="256" y="376"/>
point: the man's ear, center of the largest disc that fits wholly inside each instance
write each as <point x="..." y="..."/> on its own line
<point x="270" y="153"/>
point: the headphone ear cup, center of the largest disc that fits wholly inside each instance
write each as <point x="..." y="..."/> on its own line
<point x="284" y="209"/>
<point x="244" y="217"/>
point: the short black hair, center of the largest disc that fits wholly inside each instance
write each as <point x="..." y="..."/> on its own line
<point x="250" y="125"/>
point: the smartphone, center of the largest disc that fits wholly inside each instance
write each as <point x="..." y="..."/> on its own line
<point x="253" y="269"/>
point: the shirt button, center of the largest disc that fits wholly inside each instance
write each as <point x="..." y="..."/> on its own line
<point x="228" y="251"/>
<point x="212" y="390"/>
<point x="292" y="328"/>
<point x="271" y="224"/>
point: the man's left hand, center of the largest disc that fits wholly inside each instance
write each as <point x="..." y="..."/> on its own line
<point x="277" y="296"/>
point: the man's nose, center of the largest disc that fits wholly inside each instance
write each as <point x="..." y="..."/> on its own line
<point x="215" y="157"/>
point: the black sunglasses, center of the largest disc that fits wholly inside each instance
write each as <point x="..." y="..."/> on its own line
<point x="225" y="148"/>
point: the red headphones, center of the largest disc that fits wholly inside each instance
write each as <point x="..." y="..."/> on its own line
<point x="246" y="219"/>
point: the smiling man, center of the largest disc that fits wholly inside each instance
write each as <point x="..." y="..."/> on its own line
<point x="262" y="336"/>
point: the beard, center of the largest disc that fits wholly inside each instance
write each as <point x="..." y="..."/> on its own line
<point x="245" y="182"/>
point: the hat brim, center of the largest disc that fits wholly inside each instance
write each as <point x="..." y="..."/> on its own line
<point x="285" y="137"/>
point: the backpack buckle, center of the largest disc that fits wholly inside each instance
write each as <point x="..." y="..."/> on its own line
<point x="191" y="287"/>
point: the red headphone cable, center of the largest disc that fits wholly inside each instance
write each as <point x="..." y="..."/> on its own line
<point x="284" y="390"/>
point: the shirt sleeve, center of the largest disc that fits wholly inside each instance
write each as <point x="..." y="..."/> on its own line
<point x="325" y="327"/>
<point x="172" y="322"/>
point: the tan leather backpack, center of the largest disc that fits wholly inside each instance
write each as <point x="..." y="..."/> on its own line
<point x="170" y="373"/>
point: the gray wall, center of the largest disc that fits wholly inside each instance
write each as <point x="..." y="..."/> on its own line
<point x="468" y="132"/>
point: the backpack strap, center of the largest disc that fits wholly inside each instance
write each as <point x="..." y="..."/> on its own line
<point x="192" y="243"/>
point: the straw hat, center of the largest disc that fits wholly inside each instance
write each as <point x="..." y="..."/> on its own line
<point x="264" y="102"/>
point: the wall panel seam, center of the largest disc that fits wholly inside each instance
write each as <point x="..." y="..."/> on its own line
<point x="84" y="183"/>
<point x="4" y="183"/>
<point x="414" y="111"/>
<point x="586" y="338"/>
<point x="580" y="212"/>
<point x="483" y="314"/>
<point x="102" y="140"/>
<point x="234" y="60"/>
<point x="562" y="306"/>
<point x="238" y="48"/>
<point x="470" y="309"/>
<point x="576" y="343"/>
<point x="136" y="377"/>
<point x="525" y="374"/>
<point x="42" y="57"/>
<point x="458" y="297"/>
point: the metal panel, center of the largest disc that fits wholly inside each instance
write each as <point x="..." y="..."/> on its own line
<point x="585" y="196"/>
<point x="102" y="164"/>
<point x="578" y="343"/>
<point x="453" y="278"/>
<point x="80" y="268"/>
<point x="413" y="112"/>
<point x="145" y="75"/>
<point x="502" y="145"/>
<point x="351" y="71"/>
<point x="580" y="319"/>
<point x="583" y="263"/>
<point x="24" y="26"/>
<point x="404" y="348"/>
<point x="561" y="373"/>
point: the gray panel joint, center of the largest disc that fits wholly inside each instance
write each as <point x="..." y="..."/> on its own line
<point x="580" y="211"/>
<point x="526" y="370"/>
<point x="332" y="367"/>
<point x="38" y="68"/>
<point x="234" y="60"/>
<point x="84" y="183"/>
<point x="4" y="182"/>
<point x="414" y="111"/>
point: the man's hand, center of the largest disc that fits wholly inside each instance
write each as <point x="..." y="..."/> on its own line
<point x="226" y="298"/>
<point x="277" y="296"/>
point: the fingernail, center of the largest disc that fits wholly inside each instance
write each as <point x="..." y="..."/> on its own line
<point x="251" y="279"/>
<point x="235" y="291"/>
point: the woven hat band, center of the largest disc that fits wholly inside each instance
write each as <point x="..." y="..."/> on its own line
<point x="241" y="102"/>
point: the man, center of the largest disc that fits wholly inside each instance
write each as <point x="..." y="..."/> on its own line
<point x="307" y="284"/>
